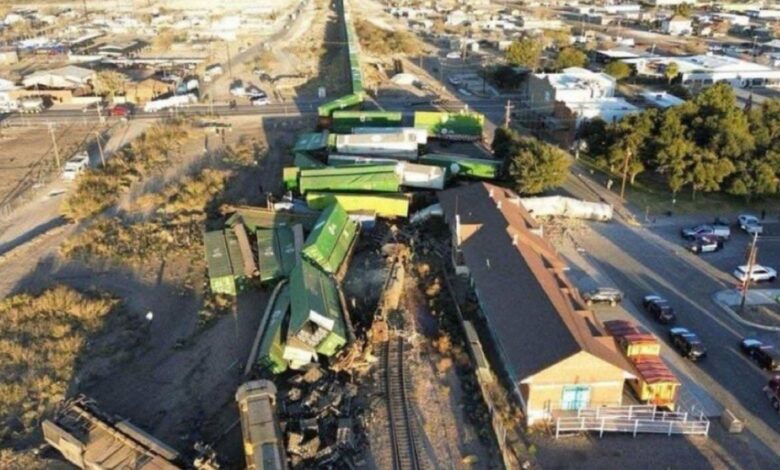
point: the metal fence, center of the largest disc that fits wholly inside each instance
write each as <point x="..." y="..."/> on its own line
<point x="634" y="420"/>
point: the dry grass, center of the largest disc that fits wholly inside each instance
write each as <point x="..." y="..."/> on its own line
<point x="100" y="188"/>
<point x="20" y="460"/>
<point x="381" y="42"/>
<point x="41" y="340"/>
<point x="175" y="228"/>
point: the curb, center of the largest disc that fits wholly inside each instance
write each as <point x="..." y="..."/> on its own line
<point x="741" y="320"/>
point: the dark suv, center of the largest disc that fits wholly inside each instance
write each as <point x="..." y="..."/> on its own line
<point x="659" y="308"/>
<point x="687" y="343"/>
<point x="764" y="354"/>
<point x="607" y="295"/>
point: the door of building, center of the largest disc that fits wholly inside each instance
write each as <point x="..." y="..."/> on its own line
<point x="575" y="397"/>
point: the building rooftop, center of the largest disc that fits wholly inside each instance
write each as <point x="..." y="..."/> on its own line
<point x="536" y="316"/>
<point x="574" y="78"/>
<point x="717" y="63"/>
<point x="661" y="99"/>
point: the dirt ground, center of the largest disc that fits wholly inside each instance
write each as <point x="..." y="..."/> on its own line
<point x="447" y="438"/>
<point x="28" y="158"/>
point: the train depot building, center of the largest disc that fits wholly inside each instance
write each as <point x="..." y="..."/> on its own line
<point x="554" y="353"/>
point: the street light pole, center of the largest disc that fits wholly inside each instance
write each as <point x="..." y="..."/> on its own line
<point x="749" y="274"/>
<point x="625" y="174"/>
<point x="54" y="144"/>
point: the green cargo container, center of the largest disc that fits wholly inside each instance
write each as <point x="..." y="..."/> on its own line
<point x="379" y="178"/>
<point x="234" y="253"/>
<point x="456" y="126"/>
<point x="306" y="161"/>
<point x="221" y="278"/>
<point x="311" y="142"/>
<point x="290" y="177"/>
<point x="383" y="205"/>
<point x="331" y="344"/>
<point x="464" y="165"/>
<point x="271" y="351"/>
<point x="348" y="101"/>
<point x="345" y="121"/>
<point x="255" y="218"/>
<point x="315" y="307"/>
<point x="328" y="243"/>
<point x="275" y="252"/>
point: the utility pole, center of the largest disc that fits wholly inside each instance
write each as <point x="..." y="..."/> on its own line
<point x="625" y="174"/>
<point x="751" y="261"/>
<point x="84" y="3"/>
<point x="230" y="66"/>
<point x="507" y="113"/>
<point x="54" y="143"/>
<point x="100" y="148"/>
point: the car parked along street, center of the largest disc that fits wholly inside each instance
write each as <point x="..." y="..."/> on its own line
<point x="687" y="343"/>
<point x="659" y="308"/>
<point x="764" y="354"/>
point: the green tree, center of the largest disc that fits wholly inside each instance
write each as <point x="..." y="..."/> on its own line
<point x="673" y="150"/>
<point x="537" y="166"/>
<point x="526" y="52"/>
<point x="570" y="57"/>
<point x="708" y="170"/>
<point x="503" y="142"/>
<point x="559" y="38"/>
<point x="109" y="83"/>
<point x="596" y="136"/>
<point x="683" y="9"/>
<point x="671" y="71"/>
<point x="617" y="69"/>
<point x="631" y="144"/>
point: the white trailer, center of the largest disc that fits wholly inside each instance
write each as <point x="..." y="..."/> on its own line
<point x="169" y="103"/>
<point x="399" y="145"/>
<point x="420" y="135"/>
<point x="421" y="176"/>
<point x="31" y="105"/>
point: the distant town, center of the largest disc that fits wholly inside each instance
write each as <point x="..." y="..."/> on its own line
<point x="389" y="234"/>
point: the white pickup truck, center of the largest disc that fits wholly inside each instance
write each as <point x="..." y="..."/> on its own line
<point x="722" y="232"/>
<point x="75" y="165"/>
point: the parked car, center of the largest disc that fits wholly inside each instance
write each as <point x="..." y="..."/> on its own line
<point x="464" y="92"/>
<point x="75" y="165"/>
<point x="608" y="295"/>
<point x="260" y="101"/>
<point x="96" y="106"/>
<point x="750" y="224"/>
<point x="721" y="231"/>
<point x="772" y="391"/>
<point x="764" y="354"/>
<point x="453" y="55"/>
<point x="687" y="343"/>
<point x="119" y="111"/>
<point x="659" y="308"/>
<point x="706" y="244"/>
<point x="758" y="274"/>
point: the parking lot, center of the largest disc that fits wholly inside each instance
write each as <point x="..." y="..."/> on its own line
<point x="653" y="259"/>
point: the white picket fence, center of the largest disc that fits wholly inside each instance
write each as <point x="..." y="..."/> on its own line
<point x="632" y="419"/>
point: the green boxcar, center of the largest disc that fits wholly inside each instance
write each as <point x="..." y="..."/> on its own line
<point x="271" y="352"/>
<point x="221" y="278"/>
<point x="328" y="244"/>
<point x="384" y="205"/>
<point x="311" y="142"/>
<point x="463" y="165"/>
<point x="379" y="178"/>
<point x="345" y="121"/>
<point x="234" y="253"/>
<point x="275" y="252"/>
<point x="255" y="218"/>
<point x="290" y="177"/>
<point x="314" y="300"/>
<point x="306" y="161"/>
<point x="456" y="126"/>
<point x="348" y="101"/>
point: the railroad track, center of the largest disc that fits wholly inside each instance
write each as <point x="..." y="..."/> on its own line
<point x="402" y="436"/>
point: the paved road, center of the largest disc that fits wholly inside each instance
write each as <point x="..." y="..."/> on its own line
<point x="652" y="260"/>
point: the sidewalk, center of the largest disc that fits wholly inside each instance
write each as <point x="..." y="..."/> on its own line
<point x="730" y="299"/>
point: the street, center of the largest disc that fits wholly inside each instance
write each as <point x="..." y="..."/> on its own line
<point x="652" y="259"/>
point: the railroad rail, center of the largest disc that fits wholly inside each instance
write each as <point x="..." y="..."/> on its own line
<point x="402" y="436"/>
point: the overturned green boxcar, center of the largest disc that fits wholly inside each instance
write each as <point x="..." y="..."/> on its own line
<point x="329" y="242"/>
<point x="462" y="165"/>
<point x="379" y="178"/>
<point x="344" y="121"/>
<point x="387" y="205"/>
<point x="459" y="126"/>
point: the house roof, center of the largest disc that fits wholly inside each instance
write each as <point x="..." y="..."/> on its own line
<point x="577" y="78"/>
<point x="535" y="314"/>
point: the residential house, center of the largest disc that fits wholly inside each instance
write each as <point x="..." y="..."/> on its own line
<point x="661" y="99"/>
<point x="8" y="56"/>
<point x="677" y="25"/>
<point x="69" y="77"/>
<point x="552" y="352"/>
